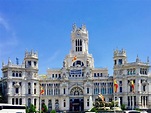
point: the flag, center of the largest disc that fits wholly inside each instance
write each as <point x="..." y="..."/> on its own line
<point x="102" y="97"/>
<point x="132" y="85"/>
<point x="74" y="58"/>
<point x="41" y="90"/>
<point x="115" y="86"/>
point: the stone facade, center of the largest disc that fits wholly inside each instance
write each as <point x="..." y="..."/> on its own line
<point x="74" y="86"/>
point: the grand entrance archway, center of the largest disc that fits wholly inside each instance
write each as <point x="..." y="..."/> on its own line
<point x="76" y="99"/>
<point x="76" y="104"/>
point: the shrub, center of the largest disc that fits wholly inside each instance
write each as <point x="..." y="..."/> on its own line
<point x="53" y="111"/>
<point x="107" y="104"/>
<point x="137" y="109"/>
<point x="93" y="110"/>
<point x="123" y="106"/>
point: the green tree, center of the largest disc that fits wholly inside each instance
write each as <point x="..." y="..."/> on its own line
<point x="27" y="109"/>
<point x="44" y="108"/>
<point x="53" y="111"/>
<point x="32" y="108"/>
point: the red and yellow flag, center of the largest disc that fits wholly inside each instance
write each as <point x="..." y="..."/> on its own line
<point x="115" y="86"/>
<point x="74" y="58"/>
<point x="42" y="91"/>
<point x="132" y="85"/>
<point x="102" y="97"/>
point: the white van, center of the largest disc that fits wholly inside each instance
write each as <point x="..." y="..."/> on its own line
<point x="9" y="108"/>
<point x="134" y="111"/>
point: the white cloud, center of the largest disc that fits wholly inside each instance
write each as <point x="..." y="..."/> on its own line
<point x="8" y="38"/>
<point x="4" y="24"/>
<point x="54" y="56"/>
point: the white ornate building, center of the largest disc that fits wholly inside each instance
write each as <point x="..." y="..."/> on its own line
<point x="74" y="86"/>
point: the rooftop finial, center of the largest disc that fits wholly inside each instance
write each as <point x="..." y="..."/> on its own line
<point x="147" y="59"/>
<point x="2" y="63"/>
<point x="17" y="61"/>
<point x="83" y="26"/>
<point x="137" y="59"/>
<point x="9" y="61"/>
<point x="74" y="27"/>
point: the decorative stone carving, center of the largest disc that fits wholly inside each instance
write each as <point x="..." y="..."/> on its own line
<point x="16" y="85"/>
<point x="88" y="63"/>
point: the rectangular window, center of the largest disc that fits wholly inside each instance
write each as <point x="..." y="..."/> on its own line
<point x="94" y="74"/>
<point x="59" y="76"/>
<point x="13" y="74"/>
<point x="128" y="101"/>
<point x="35" y="101"/>
<point x="134" y="101"/>
<point x="35" y="63"/>
<point x="29" y="91"/>
<point x="20" y="101"/>
<point x="17" y="74"/>
<point x="29" y="63"/>
<point x="120" y="61"/>
<point x="34" y="91"/>
<point x="64" y="91"/>
<point x="17" y="101"/>
<point x="20" y="74"/>
<point x="121" y="100"/>
<point x="87" y="90"/>
<point x="144" y="88"/>
<point x="80" y="48"/>
<point x="17" y="90"/>
<point x="114" y="62"/>
<point x="120" y="82"/>
<point x="13" y="101"/>
<point x="120" y="89"/>
<point x="64" y="103"/>
<point x="87" y="102"/>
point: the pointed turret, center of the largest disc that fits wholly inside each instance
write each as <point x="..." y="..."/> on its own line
<point x="137" y="59"/>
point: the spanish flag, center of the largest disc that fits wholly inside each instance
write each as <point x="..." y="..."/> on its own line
<point x="74" y="58"/>
<point x="102" y="97"/>
<point x="132" y="85"/>
<point x="115" y="86"/>
<point x="42" y="90"/>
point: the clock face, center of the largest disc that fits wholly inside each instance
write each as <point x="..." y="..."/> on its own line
<point x="78" y="34"/>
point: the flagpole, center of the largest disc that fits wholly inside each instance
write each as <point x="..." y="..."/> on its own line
<point x="114" y="102"/>
<point x="39" y="102"/>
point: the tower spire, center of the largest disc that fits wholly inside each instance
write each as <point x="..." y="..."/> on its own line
<point x="79" y="39"/>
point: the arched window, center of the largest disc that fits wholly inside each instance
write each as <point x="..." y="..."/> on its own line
<point x="20" y="101"/>
<point x="35" y="101"/>
<point x="49" y="104"/>
<point x="29" y="102"/>
<point x="13" y="101"/>
<point x="64" y="103"/>
<point x="78" y="63"/>
<point x="29" y="88"/>
<point x="76" y="91"/>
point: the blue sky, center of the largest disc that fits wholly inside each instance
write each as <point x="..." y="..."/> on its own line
<point x="45" y="26"/>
